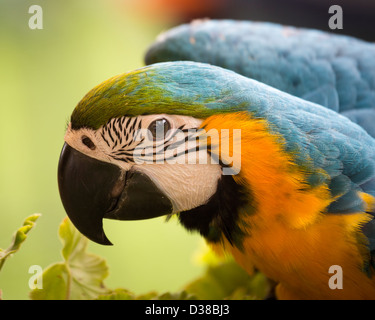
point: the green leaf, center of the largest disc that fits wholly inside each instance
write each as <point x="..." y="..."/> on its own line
<point x="118" y="294"/>
<point x="123" y="294"/>
<point x="55" y="284"/>
<point x="79" y="276"/>
<point x="18" y="238"/>
<point x="227" y="280"/>
<point x="183" y="295"/>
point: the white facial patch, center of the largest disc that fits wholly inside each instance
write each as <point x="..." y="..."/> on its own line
<point x="173" y="160"/>
<point x="187" y="186"/>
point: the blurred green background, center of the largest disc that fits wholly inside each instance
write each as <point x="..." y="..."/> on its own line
<point x="43" y="75"/>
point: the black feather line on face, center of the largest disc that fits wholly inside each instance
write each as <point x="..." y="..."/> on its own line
<point x="222" y="214"/>
<point x="169" y="144"/>
<point x="120" y="129"/>
<point x="110" y="135"/>
<point x="119" y="123"/>
<point x="123" y="130"/>
<point x="103" y="137"/>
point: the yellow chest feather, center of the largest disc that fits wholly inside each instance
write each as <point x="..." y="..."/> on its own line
<point x="289" y="237"/>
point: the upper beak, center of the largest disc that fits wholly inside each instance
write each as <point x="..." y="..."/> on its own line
<point x="91" y="190"/>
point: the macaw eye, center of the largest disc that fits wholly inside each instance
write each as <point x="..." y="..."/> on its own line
<point x="88" y="143"/>
<point x="159" y="128"/>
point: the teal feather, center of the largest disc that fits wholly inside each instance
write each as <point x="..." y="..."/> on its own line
<point x="335" y="71"/>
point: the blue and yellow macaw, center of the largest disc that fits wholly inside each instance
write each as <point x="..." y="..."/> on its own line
<point x="288" y="182"/>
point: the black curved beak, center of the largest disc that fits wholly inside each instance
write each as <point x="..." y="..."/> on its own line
<point x="91" y="190"/>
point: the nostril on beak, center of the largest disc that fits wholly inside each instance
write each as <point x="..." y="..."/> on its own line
<point x="113" y="205"/>
<point x="116" y="191"/>
<point x="119" y="185"/>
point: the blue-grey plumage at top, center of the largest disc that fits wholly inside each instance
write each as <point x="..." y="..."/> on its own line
<point x="335" y="71"/>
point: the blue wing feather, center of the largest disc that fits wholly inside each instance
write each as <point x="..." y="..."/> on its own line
<point x="335" y="71"/>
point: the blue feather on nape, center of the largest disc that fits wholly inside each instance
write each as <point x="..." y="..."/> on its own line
<point x="363" y="117"/>
<point x="325" y="96"/>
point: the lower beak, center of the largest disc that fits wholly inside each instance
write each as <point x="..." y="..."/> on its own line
<point x="91" y="190"/>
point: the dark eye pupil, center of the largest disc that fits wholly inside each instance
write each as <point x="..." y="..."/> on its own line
<point x="159" y="128"/>
<point x="88" y="143"/>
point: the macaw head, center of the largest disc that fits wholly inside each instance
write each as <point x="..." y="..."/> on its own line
<point x="131" y="148"/>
